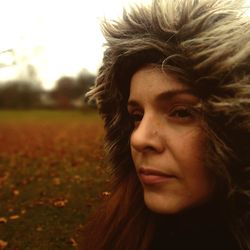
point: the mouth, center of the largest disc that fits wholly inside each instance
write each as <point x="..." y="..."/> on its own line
<point x="152" y="176"/>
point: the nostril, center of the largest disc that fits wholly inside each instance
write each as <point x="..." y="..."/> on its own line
<point x="149" y="149"/>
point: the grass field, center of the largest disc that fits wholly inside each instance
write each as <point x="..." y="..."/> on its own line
<point x="52" y="175"/>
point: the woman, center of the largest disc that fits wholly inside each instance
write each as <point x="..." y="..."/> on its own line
<point x="174" y="93"/>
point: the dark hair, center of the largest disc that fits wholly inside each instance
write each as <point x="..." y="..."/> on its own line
<point x="206" y="44"/>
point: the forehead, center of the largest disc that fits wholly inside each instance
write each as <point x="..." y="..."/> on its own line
<point x="150" y="82"/>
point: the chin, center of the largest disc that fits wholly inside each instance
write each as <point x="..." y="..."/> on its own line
<point x="163" y="209"/>
<point x="167" y="205"/>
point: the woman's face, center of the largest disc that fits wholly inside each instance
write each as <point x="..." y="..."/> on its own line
<point x="167" y="142"/>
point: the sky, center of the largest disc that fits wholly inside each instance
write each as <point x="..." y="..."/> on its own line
<point x="57" y="37"/>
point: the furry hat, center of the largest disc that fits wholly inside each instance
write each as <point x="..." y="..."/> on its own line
<point x="206" y="44"/>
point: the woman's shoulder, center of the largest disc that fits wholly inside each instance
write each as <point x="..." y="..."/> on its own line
<point x="195" y="236"/>
<point x="195" y="242"/>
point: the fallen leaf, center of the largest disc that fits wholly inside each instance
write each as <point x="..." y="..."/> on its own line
<point x="73" y="242"/>
<point x="60" y="203"/>
<point x="106" y="194"/>
<point x="16" y="192"/>
<point x="77" y="177"/>
<point x="39" y="229"/>
<point x="56" y="181"/>
<point x="4" y="177"/>
<point x="3" y="244"/>
<point x="14" y="217"/>
<point x="23" y="211"/>
<point x="3" y="220"/>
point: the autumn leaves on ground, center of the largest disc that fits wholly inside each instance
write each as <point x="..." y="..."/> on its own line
<point x="52" y="175"/>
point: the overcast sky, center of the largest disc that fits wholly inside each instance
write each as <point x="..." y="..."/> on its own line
<point x="59" y="37"/>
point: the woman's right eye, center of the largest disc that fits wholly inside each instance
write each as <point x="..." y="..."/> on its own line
<point x="135" y="118"/>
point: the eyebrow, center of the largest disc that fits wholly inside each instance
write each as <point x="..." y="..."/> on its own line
<point x="165" y="96"/>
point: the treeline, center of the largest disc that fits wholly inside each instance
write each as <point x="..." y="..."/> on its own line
<point x="68" y="93"/>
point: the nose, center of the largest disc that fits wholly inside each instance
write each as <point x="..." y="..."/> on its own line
<point x="147" y="136"/>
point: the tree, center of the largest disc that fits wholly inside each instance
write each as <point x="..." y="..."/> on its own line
<point x="69" y="90"/>
<point x="64" y="92"/>
<point x="19" y="94"/>
<point x="84" y="81"/>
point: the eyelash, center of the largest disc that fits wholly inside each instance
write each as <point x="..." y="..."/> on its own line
<point x="176" y="113"/>
<point x="183" y="113"/>
<point x="135" y="117"/>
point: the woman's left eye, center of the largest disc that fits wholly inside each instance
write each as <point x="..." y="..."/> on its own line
<point x="182" y="113"/>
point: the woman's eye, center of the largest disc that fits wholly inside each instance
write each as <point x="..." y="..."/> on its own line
<point x="135" y="118"/>
<point x="182" y="113"/>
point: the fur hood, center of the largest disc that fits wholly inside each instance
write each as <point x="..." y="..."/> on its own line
<point x="206" y="44"/>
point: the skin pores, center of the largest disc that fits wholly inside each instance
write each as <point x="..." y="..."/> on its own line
<point x="167" y="142"/>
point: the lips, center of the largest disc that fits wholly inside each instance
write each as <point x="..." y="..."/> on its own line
<point x="152" y="176"/>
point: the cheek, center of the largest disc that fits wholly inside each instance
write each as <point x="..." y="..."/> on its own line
<point x="192" y="145"/>
<point x="132" y="152"/>
<point x="197" y="176"/>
